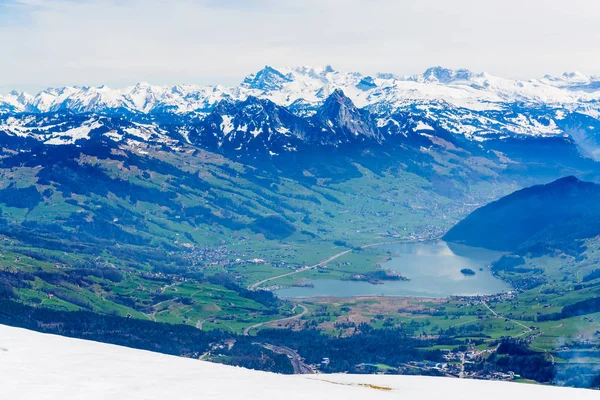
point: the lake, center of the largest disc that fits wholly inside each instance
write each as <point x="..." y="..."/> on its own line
<point x="432" y="267"/>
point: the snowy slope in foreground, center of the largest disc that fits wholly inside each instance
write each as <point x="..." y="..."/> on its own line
<point x="40" y="366"/>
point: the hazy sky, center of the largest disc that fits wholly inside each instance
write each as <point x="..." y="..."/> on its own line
<point x="119" y="42"/>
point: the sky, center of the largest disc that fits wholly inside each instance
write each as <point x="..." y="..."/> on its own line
<point x="120" y="42"/>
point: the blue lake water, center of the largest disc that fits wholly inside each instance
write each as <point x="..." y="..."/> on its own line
<point x="432" y="267"/>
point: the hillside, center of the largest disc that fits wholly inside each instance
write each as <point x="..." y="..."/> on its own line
<point x="35" y="365"/>
<point x="554" y="215"/>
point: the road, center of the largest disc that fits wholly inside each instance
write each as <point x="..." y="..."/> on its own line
<point x="461" y="374"/>
<point x="465" y="323"/>
<point x="152" y="315"/>
<point x="300" y="367"/>
<point x="201" y="322"/>
<point x="527" y="329"/>
<point x="247" y="330"/>
<point x="257" y="284"/>
<point x="254" y="286"/>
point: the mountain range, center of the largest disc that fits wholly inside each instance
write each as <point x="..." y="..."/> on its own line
<point x="292" y="144"/>
<point x="287" y="106"/>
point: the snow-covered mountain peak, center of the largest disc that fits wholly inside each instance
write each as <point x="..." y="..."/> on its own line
<point x="444" y="75"/>
<point x="267" y="79"/>
<point x="315" y="72"/>
<point x="305" y="89"/>
<point x="575" y="75"/>
<point x="338" y="95"/>
<point x="142" y="85"/>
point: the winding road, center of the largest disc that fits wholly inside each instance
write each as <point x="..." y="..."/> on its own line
<point x="300" y="367"/>
<point x="201" y="322"/>
<point x="528" y="330"/>
<point x="247" y="330"/>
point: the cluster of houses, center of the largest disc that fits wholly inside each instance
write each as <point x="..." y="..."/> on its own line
<point x="210" y="256"/>
<point x="422" y="233"/>
<point x="453" y="365"/>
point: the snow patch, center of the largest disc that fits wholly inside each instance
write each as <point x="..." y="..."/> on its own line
<point x="226" y="125"/>
<point x="422" y="126"/>
<point x="74" y="134"/>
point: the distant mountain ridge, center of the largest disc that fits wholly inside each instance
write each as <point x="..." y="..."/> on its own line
<point x="478" y="106"/>
<point x="285" y="86"/>
<point x="553" y="215"/>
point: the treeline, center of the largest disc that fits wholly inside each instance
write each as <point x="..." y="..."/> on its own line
<point x="595" y="274"/>
<point x="584" y="307"/>
<point x="588" y="306"/>
<point x="388" y="346"/>
<point x="27" y="197"/>
<point x="385" y="346"/>
<point x="10" y="280"/>
<point x="513" y="355"/>
<point x="264" y="297"/>
<point x="180" y="340"/>
<point x="272" y="227"/>
<point x="13" y="280"/>
<point x="253" y="356"/>
<point x="71" y="177"/>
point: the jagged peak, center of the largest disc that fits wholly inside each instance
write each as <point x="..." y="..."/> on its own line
<point x="338" y="96"/>
<point x="267" y="78"/>
<point x="142" y="85"/>
<point x="313" y="85"/>
<point x="228" y="105"/>
<point x="337" y="102"/>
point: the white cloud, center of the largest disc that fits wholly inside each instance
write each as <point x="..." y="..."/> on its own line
<point x="55" y="42"/>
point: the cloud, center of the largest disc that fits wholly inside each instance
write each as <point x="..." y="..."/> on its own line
<point x="55" y="42"/>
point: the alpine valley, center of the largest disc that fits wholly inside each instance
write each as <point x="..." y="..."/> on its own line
<point x="174" y="218"/>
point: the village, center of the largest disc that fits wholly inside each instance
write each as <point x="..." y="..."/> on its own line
<point x="455" y="365"/>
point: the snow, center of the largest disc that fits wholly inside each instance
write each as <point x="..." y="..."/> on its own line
<point x="116" y="136"/>
<point x="227" y="125"/>
<point x="42" y="367"/>
<point x="469" y="103"/>
<point x="560" y="114"/>
<point x="141" y="131"/>
<point x="461" y="88"/>
<point x="70" y="136"/>
<point x="255" y="132"/>
<point x="423" y="126"/>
